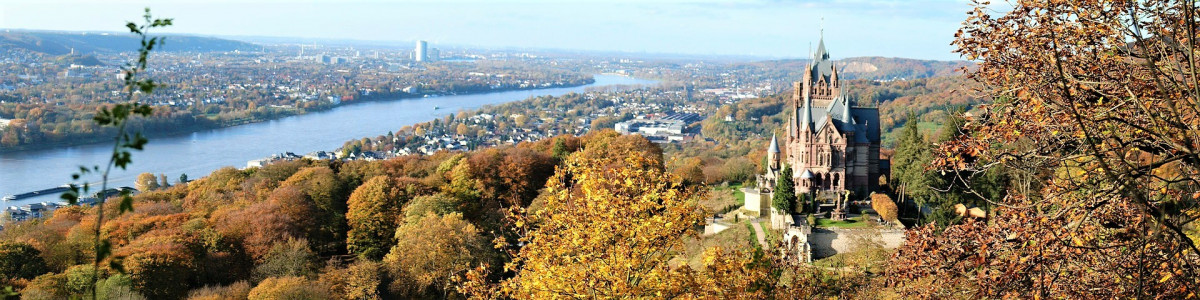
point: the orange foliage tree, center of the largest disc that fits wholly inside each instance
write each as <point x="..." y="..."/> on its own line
<point x="1100" y="100"/>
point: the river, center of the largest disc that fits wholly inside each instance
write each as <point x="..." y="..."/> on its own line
<point x="198" y="154"/>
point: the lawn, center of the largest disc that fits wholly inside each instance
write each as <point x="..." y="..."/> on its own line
<point x="723" y="197"/>
<point x="848" y="223"/>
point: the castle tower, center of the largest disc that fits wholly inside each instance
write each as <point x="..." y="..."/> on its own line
<point x="773" y="154"/>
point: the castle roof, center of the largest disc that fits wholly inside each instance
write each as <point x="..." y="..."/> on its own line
<point x="847" y="118"/>
<point x="774" y="145"/>
<point x="822" y="68"/>
<point x="841" y="113"/>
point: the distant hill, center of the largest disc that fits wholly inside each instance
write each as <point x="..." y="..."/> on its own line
<point x="878" y="68"/>
<point x="896" y="68"/>
<point x="61" y="43"/>
<point x="79" y="59"/>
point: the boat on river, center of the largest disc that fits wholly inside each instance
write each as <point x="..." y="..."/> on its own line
<point x="32" y="194"/>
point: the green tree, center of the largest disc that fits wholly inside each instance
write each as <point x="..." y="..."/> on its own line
<point x="784" y="196"/>
<point x="912" y="156"/>
<point x="559" y="151"/>
<point x="20" y="261"/>
<point x="437" y="204"/>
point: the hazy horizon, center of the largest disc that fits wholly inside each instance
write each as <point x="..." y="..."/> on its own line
<point x="919" y="29"/>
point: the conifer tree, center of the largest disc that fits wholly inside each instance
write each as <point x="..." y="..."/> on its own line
<point x="784" y="197"/>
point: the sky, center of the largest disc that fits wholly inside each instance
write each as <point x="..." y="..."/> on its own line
<point x="920" y="29"/>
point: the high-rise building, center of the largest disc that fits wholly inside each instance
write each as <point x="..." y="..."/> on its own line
<point x="434" y="54"/>
<point x="421" y="53"/>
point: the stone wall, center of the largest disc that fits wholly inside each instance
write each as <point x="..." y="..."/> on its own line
<point x="827" y="242"/>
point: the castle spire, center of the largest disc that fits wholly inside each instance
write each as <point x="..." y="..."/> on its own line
<point x="807" y="114"/>
<point x="773" y="153"/>
<point x="848" y="119"/>
<point x="820" y="54"/>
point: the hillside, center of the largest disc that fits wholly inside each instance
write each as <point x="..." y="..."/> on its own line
<point x="871" y="68"/>
<point x="926" y="99"/>
<point x="61" y="43"/>
<point x="887" y="68"/>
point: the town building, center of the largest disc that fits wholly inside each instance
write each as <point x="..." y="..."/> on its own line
<point x="30" y="211"/>
<point x="663" y="129"/>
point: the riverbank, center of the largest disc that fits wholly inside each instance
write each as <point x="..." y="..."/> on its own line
<point x="268" y="113"/>
<point x="199" y="153"/>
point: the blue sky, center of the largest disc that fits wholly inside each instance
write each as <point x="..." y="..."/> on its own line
<point x="770" y="28"/>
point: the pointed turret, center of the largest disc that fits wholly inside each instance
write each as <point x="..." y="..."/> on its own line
<point x="847" y="119"/>
<point x="833" y="77"/>
<point x="821" y="66"/>
<point x="806" y="124"/>
<point x="820" y="54"/>
<point x="805" y="86"/>
<point x="773" y="154"/>
<point x="846" y="108"/>
<point x="774" y="145"/>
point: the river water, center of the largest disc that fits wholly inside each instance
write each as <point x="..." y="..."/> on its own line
<point x="200" y="153"/>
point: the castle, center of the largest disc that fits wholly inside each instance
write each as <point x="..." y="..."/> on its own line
<point x="832" y="144"/>
<point x="832" y="147"/>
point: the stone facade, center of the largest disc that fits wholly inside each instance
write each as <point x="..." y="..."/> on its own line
<point x="832" y="143"/>
<point x="758" y="202"/>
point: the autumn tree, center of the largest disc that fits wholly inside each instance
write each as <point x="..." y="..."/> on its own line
<point x="437" y="204"/>
<point x="1098" y="99"/>
<point x="691" y="170"/>
<point x="431" y="250"/>
<point x="161" y="263"/>
<point x="146" y="182"/>
<point x="609" y="230"/>
<point x="374" y="214"/>
<point x="287" y="214"/>
<point x="329" y="198"/>
<point x="297" y="288"/>
<point x="290" y="258"/>
<point x="885" y="207"/>
<point x="238" y="290"/>
<point x="361" y="280"/>
<point x="462" y="129"/>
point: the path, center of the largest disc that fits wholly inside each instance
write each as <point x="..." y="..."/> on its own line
<point x="758" y="232"/>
